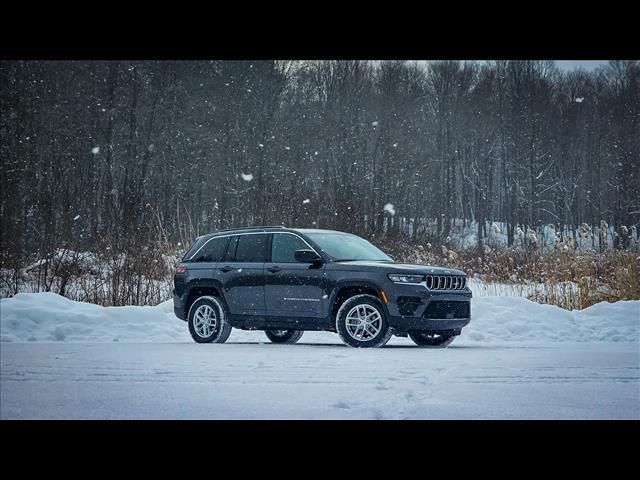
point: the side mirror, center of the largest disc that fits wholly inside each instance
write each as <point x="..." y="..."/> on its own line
<point x="307" y="256"/>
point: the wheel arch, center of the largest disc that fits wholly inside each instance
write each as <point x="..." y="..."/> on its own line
<point x="202" y="289"/>
<point x="346" y="290"/>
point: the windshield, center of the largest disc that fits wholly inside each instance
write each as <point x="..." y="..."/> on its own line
<point x="344" y="246"/>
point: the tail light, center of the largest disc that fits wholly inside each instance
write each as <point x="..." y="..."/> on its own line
<point x="181" y="269"/>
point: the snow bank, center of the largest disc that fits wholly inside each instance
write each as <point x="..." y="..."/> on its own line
<point x="44" y="317"/>
<point x="520" y="319"/>
<point x="47" y="317"/>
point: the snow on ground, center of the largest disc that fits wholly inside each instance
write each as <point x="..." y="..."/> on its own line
<point x="48" y="317"/>
<point x="516" y="360"/>
<point x="243" y="380"/>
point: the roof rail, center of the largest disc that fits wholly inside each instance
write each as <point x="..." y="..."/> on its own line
<point x="249" y="228"/>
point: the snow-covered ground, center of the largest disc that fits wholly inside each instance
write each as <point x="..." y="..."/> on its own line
<point x="320" y="379"/>
<point x="517" y="359"/>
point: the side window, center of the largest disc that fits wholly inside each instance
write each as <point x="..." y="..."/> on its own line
<point x="252" y="248"/>
<point x="284" y="246"/>
<point x="213" y="251"/>
<point x="231" y="249"/>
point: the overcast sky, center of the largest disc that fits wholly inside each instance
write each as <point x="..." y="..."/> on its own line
<point x="585" y="64"/>
<point x="565" y="65"/>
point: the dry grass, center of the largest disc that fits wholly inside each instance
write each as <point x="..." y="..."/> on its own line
<point x="568" y="280"/>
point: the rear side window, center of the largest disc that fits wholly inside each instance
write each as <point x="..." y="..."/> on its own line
<point x="194" y="248"/>
<point x="284" y="246"/>
<point x="213" y="250"/>
<point x="251" y="248"/>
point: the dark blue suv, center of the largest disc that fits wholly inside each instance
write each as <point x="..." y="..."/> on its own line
<point x="284" y="281"/>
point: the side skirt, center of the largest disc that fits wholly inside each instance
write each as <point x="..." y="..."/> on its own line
<point x="251" y="322"/>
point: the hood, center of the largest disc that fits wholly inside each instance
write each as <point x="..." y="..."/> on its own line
<point x="392" y="267"/>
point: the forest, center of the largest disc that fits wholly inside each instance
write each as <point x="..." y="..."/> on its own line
<point x="127" y="156"/>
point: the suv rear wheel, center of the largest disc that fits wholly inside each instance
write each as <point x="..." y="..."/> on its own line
<point x="361" y="322"/>
<point x="426" y="339"/>
<point x="284" y="336"/>
<point x="207" y="321"/>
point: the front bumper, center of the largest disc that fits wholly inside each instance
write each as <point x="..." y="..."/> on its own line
<point x="414" y="307"/>
<point x="407" y="324"/>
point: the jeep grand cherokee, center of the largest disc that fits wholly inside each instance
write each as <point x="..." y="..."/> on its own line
<point x="285" y="281"/>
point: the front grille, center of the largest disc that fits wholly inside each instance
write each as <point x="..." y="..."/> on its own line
<point x="445" y="282"/>
<point x="441" y="309"/>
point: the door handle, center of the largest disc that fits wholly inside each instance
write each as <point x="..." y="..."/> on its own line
<point x="226" y="269"/>
<point x="274" y="269"/>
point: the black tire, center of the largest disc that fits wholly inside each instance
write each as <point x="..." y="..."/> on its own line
<point x="433" y="340"/>
<point x="219" y="329"/>
<point x="369" y="302"/>
<point x="287" y="337"/>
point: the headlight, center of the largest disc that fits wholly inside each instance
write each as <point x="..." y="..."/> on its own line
<point x="406" y="278"/>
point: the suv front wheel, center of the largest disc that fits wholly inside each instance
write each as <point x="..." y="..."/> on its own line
<point x="207" y="321"/>
<point x="361" y="322"/>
